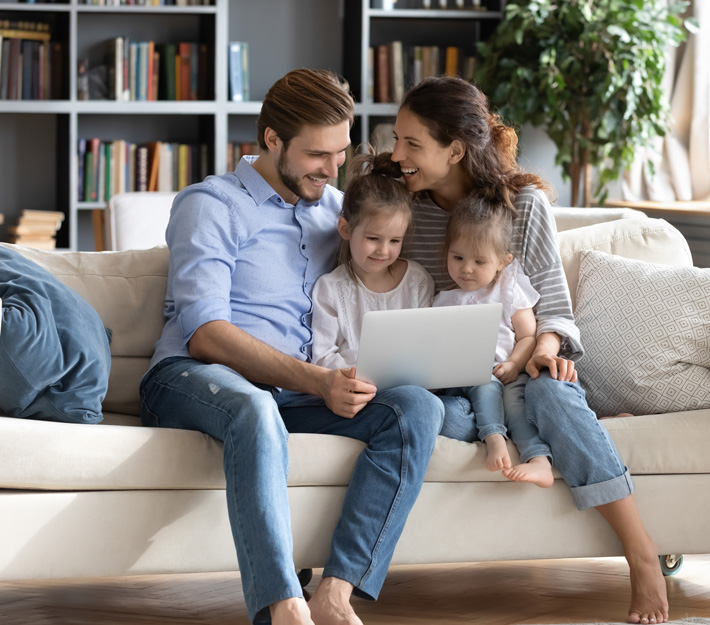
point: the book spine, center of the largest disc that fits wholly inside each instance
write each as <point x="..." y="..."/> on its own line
<point x="382" y="74"/>
<point x="81" y="156"/>
<point x="236" y="90"/>
<point x="185" y="79"/>
<point x="245" y="71"/>
<point x="57" y="73"/>
<point x="194" y="70"/>
<point x="4" y="66"/>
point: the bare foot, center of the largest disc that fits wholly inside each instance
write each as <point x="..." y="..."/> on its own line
<point x="621" y="415"/>
<point x="649" y="602"/>
<point x="498" y="456"/>
<point x="330" y="604"/>
<point x="537" y="470"/>
<point x="293" y="611"/>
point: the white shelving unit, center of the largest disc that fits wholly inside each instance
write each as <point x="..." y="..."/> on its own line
<point x="412" y="24"/>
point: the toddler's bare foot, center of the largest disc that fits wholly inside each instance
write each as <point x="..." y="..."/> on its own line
<point x="649" y="602"/>
<point x="293" y="611"/>
<point x="498" y="456"/>
<point x="330" y="605"/>
<point x="537" y="470"/>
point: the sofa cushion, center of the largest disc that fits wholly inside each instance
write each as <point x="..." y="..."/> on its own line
<point x="646" y="332"/>
<point x="652" y="240"/>
<point x="54" y="349"/>
<point x="120" y="454"/>
<point x="127" y="289"/>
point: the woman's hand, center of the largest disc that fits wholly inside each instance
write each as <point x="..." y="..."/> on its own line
<point x="560" y="368"/>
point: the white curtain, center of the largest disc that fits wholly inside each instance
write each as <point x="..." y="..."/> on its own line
<point x="682" y="157"/>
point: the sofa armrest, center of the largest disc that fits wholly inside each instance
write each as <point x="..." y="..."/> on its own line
<point x="568" y="218"/>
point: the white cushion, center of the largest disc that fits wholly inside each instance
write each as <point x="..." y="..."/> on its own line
<point x="137" y="221"/>
<point x="645" y="328"/>
<point x="121" y="454"/>
<point x="567" y="218"/>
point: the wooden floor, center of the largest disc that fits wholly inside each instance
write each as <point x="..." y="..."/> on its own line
<point x="498" y="593"/>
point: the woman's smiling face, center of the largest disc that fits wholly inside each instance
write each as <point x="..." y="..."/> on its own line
<point x="425" y="163"/>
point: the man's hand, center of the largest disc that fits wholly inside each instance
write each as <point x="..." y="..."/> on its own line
<point x="506" y="372"/>
<point x="345" y="395"/>
<point x="560" y="368"/>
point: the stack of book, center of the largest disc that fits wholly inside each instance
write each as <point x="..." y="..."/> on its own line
<point x="146" y="71"/>
<point x="394" y="68"/>
<point x="110" y="167"/>
<point x="37" y="228"/>
<point x="30" y="64"/>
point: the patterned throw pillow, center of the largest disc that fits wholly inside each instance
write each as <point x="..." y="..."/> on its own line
<point x="646" y="335"/>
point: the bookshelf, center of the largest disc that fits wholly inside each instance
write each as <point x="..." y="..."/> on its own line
<point x="39" y="162"/>
<point x="368" y="26"/>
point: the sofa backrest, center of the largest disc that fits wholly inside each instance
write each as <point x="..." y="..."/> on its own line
<point x="127" y="289"/>
<point x="649" y="240"/>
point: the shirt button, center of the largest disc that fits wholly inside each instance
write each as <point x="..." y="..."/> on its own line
<point x="278" y="199"/>
<point x="303" y="247"/>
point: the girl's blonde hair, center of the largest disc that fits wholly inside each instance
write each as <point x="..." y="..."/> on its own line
<point x="372" y="189"/>
<point x="481" y="224"/>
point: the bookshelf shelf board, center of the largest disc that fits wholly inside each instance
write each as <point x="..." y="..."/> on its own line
<point x="435" y="14"/>
<point x="387" y="109"/>
<point x="155" y="107"/>
<point x="88" y="206"/>
<point x="50" y="107"/>
<point x="188" y="10"/>
<point x="242" y="108"/>
<point x="36" y="8"/>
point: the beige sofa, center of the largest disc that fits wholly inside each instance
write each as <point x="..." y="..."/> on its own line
<point x="121" y="499"/>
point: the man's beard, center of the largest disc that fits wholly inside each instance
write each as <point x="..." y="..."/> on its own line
<point x="293" y="184"/>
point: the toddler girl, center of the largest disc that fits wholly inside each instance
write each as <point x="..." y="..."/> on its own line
<point x="478" y="237"/>
<point x="375" y="219"/>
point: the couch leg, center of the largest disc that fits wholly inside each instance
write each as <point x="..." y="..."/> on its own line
<point x="670" y="564"/>
<point x="304" y="576"/>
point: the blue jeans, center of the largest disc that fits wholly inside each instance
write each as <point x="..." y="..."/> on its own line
<point x="399" y="426"/>
<point x="583" y="451"/>
<point x="500" y="409"/>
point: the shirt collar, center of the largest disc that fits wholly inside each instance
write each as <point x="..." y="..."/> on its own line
<point x="257" y="187"/>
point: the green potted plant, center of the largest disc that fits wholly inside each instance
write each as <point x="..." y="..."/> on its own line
<point x="589" y="72"/>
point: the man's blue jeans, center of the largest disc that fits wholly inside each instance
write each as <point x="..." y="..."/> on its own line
<point x="400" y="427"/>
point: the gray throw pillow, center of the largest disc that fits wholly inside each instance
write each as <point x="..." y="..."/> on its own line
<point x="645" y="329"/>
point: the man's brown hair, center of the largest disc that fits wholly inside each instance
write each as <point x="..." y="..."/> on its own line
<point x="304" y="97"/>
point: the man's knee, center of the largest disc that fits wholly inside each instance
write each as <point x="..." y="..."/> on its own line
<point x="421" y="412"/>
<point x="256" y="414"/>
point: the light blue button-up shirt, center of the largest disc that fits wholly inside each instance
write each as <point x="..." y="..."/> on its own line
<point x="240" y="253"/>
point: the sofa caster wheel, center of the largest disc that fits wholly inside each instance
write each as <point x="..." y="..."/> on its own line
<point x="304" y="576"/>
<point x="670" y="564"/>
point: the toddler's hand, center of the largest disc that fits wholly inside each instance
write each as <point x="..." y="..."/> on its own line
<point x="506" y="372"/>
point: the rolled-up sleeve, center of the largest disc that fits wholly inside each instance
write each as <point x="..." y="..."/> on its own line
<point x="202" y="236"/>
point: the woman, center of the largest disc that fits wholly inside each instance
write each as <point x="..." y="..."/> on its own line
<point x="448" y="146"/>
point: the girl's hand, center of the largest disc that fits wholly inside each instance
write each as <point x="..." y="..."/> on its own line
<point x="506" y="372"/>
<point x="560" y="368"/>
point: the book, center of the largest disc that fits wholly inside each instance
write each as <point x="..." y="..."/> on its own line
<point x="381" y="74"/>
<point x="14" y="69"/>
<point x="153" y="164"/>
<point x="395" y="85"/>
<point x="236" y="87"/>
<point x="194" y="70"/>
<point x="4" y="65"/>
<point x="245" y="71"/>
<point x="185" y="72"/>
<point x="57" y="72"/>
<point x="202" y="72"/>
<point x="166" y="85"/>
<point x="165" y="167"/>
<point x="81" y="155"/>
<point x="141" y="168"/>
<point x="452" y="61"/>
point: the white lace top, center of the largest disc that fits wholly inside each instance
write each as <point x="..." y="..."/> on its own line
<point x="339" y="304"/>
<point x="513" y="290"/>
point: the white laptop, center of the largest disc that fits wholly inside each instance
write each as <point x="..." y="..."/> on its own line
<point x="440" y="347"/>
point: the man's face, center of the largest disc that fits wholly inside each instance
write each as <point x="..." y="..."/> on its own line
<point x="312" y="156"/>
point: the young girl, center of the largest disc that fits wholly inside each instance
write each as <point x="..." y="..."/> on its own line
<point x="375" y="219"/>
<point x="478" y="237"/>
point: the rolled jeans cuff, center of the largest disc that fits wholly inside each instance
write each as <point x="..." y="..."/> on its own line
<point x="485" y="431"/>
<point x="593" y="495"/>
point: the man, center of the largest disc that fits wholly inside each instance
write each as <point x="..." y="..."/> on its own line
<point x="233" y="359"/>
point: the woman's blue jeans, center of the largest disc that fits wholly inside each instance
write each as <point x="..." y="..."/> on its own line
<point x="399" y="425"/>
<point x="582" y="449"/>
